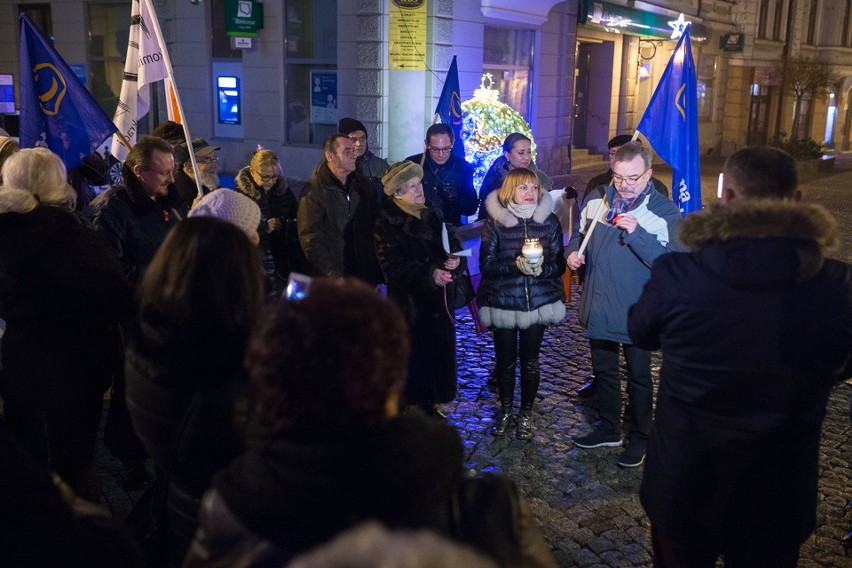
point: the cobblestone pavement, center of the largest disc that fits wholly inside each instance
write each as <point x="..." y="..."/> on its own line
<point x="588" y="507"/>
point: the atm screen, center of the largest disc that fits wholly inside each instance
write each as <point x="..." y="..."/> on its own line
<point x="228" y="91"/>
<point x="7" y="93"/>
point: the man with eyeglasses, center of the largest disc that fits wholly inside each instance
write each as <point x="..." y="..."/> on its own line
<point x="337" y="211"/>
<point x="134" y="218"/>
<point x="633" y="224"/>
<point x="366" y="162"/>
<point x="208" y="166"/>
<point x="447" y="179"/>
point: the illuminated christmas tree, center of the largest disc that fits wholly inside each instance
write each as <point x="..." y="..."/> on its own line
<point x="486" y="121"/>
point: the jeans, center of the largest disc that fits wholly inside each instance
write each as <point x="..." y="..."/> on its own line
<point x="508" y="345"/>
<point x="640" y="389"/>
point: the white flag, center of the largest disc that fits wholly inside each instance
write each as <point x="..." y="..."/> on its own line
<point x="147" y="62"/>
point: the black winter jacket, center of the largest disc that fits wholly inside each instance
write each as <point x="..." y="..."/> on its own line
<point x="448" y="186"/>
<point x="335" y="224"/>
<point x="503" y="285"/>
<point x="133" y="225"/>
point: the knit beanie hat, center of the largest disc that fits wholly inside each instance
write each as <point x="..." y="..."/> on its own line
<point x="398" y="174"/>
<point x="229" y="205"/>
<point x="349" y="125"/>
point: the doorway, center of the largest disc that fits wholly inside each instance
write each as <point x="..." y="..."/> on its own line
<point x="758" y="113"/>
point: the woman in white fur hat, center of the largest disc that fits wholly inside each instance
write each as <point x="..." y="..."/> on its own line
<point x="521" y="289"/>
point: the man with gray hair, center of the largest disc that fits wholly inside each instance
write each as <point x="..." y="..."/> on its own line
<point x="627" y="226"/>
<point x="755" y="326"/>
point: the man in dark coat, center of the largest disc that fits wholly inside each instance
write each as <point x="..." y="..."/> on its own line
<point x="337" y="210"/>
<point x="447" y="179"/>
<point x="755" y="326"/>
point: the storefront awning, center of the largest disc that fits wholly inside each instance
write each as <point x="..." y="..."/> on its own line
<point x="622" y="20"/>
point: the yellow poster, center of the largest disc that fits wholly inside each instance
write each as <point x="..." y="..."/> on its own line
<point x="407" y="35"/>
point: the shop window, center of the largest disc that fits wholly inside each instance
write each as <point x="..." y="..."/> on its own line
<point x="310" y="70"/>
<point x="802" y="119"/>
<point x="508" y="57"/>
<point x="109" y="29"/>
<point x="706" y="72"/>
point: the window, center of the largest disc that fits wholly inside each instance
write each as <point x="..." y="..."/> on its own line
<point x="310" y="70"/>
<point x="509" y="58"/>
<point x="812" y="18"/>
<point x="40" y="15"/>
<point x="844" y="34"/>
<point x="109" y="30"/>
<point x="802" y="119"/>
<point x="778" y="20"/>
<point x="221" y="40"/>
<point x="762" y="19"/>
<point x="706" y="72"/>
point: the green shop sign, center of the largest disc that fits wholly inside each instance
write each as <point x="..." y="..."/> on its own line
<point x="243" y="17"/>
<point x="623" y="20"/>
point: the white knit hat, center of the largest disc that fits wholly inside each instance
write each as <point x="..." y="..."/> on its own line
<point x="231" y="206"/>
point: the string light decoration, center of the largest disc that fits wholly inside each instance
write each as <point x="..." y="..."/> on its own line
<point x="486" y="121"/>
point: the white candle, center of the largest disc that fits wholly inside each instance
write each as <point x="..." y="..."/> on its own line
<point x="719" y="187"/>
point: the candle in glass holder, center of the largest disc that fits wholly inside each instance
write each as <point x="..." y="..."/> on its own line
<point x="532" y="249"/>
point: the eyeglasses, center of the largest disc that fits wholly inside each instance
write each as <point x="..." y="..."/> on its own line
<point x="629" y="179"/>
<point x="208" y="160"/>
<point x="437" y="150"/>
<point x="165" y="174"/>
<point x="264" y="178"/>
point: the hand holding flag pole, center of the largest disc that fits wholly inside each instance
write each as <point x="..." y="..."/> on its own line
<point x="600" y="211"/>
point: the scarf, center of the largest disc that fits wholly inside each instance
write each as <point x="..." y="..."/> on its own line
<point x="622" y="204"/>
<point x="522" y="211"/>
<point x="413" y="209"/>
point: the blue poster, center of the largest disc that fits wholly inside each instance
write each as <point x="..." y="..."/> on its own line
<point x="324" y="97"/>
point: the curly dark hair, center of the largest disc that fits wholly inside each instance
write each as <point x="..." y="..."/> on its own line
<point x="329" y="361"/>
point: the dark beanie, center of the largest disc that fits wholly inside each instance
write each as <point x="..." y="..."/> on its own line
<point x="619" y="140"/>
<point x="348" y="125"/>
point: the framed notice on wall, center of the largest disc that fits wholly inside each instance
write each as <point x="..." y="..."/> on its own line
<point x="323" y="96"/>
<point x="407" y="35"/>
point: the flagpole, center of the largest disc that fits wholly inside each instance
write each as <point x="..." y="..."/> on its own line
<point x="121" y="138"/>
<point x="167" y="60"/>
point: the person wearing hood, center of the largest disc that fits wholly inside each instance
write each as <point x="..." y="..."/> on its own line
<point x="755" y="328"/>
<point x="520" y="293"/>
<point x="417" y="270"/>
<point x="366" y="162"/>
<point x="517" y="153"/>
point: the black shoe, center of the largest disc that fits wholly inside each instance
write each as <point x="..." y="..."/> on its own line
<point x="491" y="383"/>
<point x="525" y="426"/>
<point x="632" y="456"/>
<point x="598" y="439"/>
<point x="589" y="390"/>
<point x="504" y="420"/>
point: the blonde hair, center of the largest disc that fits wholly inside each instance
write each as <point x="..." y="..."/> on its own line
<point x="264" y="157"/>
<point x="32" y="176"/>
<point x="513" y="179"/>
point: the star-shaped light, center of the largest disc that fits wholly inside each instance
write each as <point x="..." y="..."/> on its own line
<point x="678" y="26"/>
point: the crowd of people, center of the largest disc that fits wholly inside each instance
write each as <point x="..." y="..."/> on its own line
<point x="275" y="426"/>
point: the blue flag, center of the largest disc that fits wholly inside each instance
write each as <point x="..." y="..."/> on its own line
<point x="670" y="124"/>
<point x="449" y="107"/>
<point x="56" y="109"/>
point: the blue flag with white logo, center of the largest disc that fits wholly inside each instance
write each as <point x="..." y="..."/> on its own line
<point x="56" y="109"/>
<point x="449" y="107"/>
<point x="670" y="124"/>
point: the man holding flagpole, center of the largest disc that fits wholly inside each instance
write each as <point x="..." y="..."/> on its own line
<point x="626" y="226"/>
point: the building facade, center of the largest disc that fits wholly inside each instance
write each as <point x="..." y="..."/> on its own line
<point x="579" y="71"/>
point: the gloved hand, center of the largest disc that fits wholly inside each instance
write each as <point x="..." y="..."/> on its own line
<point x="528" y="267"/>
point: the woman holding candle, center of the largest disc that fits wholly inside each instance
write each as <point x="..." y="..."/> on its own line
<point x="521" y="293"/>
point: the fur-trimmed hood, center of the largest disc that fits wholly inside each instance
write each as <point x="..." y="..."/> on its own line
<point x="504" y="217"/>
<point x="762" y="240"/>
<point x="761" y="218"/>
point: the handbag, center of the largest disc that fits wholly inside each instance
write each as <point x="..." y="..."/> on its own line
<point x="460" y="291"/>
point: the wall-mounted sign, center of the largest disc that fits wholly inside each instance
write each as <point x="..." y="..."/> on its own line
<point x="243" y="17"/>
<point x="407" y="37"/>
<point x="732" y="42"/>
<point x="323" y="96"/>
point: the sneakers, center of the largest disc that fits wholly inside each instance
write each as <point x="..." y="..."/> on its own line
<point x="598" y="439"/>
<point x="525" y="426"/>
<point x="588" y="390"/>
<point x="632" y="456"/>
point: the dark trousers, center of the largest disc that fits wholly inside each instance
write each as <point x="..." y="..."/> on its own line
<point x="509" y="344"/>
<point x="671" y="553"/>
<point x="640" y="390"/>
